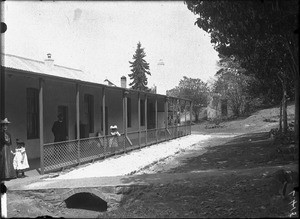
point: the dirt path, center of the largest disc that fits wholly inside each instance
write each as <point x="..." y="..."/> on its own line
<point x="178" y="159"/>
<point x="241" y="178"/>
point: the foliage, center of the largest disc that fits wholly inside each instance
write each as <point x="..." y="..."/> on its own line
<point x="261" y="34"/>
<point x="194" y="89"/>
<point x="139" y="68"/>
<point x="233" y="85"/>
<point x="242" y="27"/>
<point x="283" y="138"/>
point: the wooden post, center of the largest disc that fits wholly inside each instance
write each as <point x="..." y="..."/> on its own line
<point x="103" y="120"/>
<point x="125" y="93"/>
<point x="156" y="121"/>
<point x="185" y="124"/>
<point x="103" y="110"/>
<point x="139" y="118"/>
<point x="166" y="117"/>
<point x="78" y="123"/>
<point x="191" y="116"/>
<point x="146" y="120"/>
<point x="41" y="123"/>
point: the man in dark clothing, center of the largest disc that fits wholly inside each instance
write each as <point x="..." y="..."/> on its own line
<point x="59" y="130"/>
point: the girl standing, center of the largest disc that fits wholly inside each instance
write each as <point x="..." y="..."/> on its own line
<point x="20" y="160"/>
<point x="114" y="141"/>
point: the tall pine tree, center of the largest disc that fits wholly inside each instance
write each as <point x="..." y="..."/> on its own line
<point x="139" y="69"/>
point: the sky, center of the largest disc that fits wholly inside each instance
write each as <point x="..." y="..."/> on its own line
<point x="101" y="37"/>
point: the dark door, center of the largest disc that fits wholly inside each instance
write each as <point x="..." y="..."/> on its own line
<point x="150" y="116"/>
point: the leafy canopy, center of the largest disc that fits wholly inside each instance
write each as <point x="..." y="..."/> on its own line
<point x="259" y="33"/>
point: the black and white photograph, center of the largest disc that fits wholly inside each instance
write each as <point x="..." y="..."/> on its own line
<point x="149" y="109"/>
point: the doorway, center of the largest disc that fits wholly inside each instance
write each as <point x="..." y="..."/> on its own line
<point x="151" y="116"/>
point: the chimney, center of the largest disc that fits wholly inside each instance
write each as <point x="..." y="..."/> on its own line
<point x="123" y="82"/>
<point x="49" y="62"/>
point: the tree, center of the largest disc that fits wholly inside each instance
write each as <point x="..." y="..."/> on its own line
<point x="262" y="34"/>
<point x="194" y="89"/>
<point x="139" y="70"/>
<point x="233" y="85"/>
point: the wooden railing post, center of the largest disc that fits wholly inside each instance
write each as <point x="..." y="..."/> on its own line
<point x="103" y="121"/>
<point x="185" y="124"/>
<point x="77" y="123"/>
<point x="41" y="123"/>
<point x="156" y="121"/>
<point x="191" y="116"/>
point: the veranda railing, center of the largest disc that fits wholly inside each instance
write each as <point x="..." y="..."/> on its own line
<point x="60" y="155"/>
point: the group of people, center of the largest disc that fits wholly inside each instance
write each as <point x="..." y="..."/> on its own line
<point x="13" y="162"/>
<point x="13" y="157"/>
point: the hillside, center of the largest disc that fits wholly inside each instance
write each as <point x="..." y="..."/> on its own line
<point x="262" y="120"/>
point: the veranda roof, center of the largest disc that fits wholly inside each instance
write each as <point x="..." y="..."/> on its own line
<point x="14" y="62"/>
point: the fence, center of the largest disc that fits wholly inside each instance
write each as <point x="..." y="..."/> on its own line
<point x="60" y="155"/>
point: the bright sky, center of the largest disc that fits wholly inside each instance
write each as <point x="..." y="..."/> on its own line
<point x="101" y="37"/>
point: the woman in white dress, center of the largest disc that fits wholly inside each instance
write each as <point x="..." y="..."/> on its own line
<point x="20" y="161"/>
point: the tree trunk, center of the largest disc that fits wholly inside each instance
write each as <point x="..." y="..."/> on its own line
<point x="280" y="117"/>
<point x="196" y="117"/>
<point x="284" y="108"/>
<point x="282" y="79"/>
<point x="296" y="124"/>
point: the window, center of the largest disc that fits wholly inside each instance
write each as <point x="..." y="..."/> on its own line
<point x="142" y="111"/>
<point x="89" y="111"/>
<point x="32" y="113"/>
<point x="128" y="112"/>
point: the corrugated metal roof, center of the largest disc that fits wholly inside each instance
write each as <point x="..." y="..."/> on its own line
<point x="39" y="67"/>
<point x="35" y="66"/>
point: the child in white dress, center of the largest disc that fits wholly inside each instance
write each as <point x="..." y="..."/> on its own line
<point x="114" y="130"/>
<point x="20" y="161"/>
<point x="114" y="142"/>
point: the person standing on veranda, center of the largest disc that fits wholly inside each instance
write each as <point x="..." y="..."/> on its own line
<point x="7" y="170"/>
<point x="59" y="131"/>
